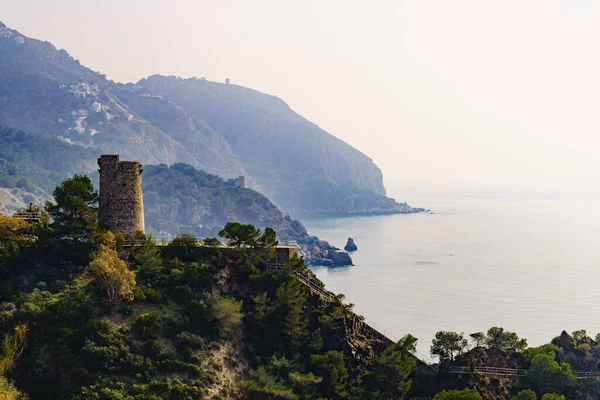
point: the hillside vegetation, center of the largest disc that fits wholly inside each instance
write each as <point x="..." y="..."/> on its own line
<point x="181" y="199"/>
<point x="87" y="317"/>
<point x="31" y="162"/>
<point x="105" y="321"/>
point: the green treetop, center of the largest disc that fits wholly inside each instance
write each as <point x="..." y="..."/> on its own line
<point x="74" y="212"/>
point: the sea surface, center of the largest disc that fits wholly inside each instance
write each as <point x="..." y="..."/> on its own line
<point x="525" y="261"/>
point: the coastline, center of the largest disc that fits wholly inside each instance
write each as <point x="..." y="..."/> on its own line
<point x="350" y="214"/>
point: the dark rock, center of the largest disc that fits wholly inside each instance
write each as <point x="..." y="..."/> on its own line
<point x="566" y="341"/>
<point x="350" y="245"/>
<point x="339" y="257"/>
<point x="299" y="228"/>
<point x="325" y="262"/>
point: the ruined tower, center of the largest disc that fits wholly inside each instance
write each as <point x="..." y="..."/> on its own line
<point x="121" y="206"/>
<point x="241" y="181"/>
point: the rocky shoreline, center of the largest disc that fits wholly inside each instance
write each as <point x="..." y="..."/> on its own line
<point x="362" y="213"/>
<point x="317" y="252"/>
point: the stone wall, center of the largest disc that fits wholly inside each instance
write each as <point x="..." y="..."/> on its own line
<point x="284" y="253"/>
<point x="121" y="206"/>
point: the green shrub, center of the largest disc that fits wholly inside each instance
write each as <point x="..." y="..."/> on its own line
<point x="138" y="294"/>
<point x="176" y="276"/>
<point x="525" y="395"/>
<point x="146" y="326"/>
<point x="189" y="340"/>
<point x="152" y="349"/>
<point x="174" y="325"/>
<point x="152" y="295"/>
<point x="181" y="294"/>
<point x="198" y="276"/>
<point x="332" y="367"/>
<point x="183" y="246"/>
<point x="106" y="348"/>
<point x="553" y="396"/>
<point x="148" y="260"/>
<point x="6" y="318"/>
<point x="464" y="394"/>
<point x="226" y="313"/>
<point x="546" y="374"/>
<point x="262" y="385"/>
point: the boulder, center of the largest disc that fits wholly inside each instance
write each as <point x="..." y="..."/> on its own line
<point x="339" y="258"/>
<point x="566" y="342"/>
<point x="350" y="245"/>
<point x="325" y="262"/>
<point x="299" y="228"/>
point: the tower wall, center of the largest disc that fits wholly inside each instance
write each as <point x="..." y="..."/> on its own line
<point x="121" y="206"/>
<point x="241" y="181"/>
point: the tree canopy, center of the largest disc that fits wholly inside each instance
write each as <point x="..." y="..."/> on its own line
<point x="464" y="394"/>
<point x="111" y="272"/>
<point x="14" y="234"/>
<point x="526" y="394"/>
<point x="499" y="339"/>
<point x="74" y="211"/>
<point x="447" y="345"/>
<point x="240" y="235"/>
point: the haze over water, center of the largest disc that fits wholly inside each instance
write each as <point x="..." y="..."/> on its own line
<point x="526" y="262"/>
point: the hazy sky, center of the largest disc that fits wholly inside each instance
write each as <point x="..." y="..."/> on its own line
<point x="479" y="92"/>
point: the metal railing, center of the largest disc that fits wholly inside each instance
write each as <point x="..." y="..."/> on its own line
<point x="160" y="240"/>
<point x="509" y="372"/>
<point x="588" y="375"/>
<point x="307" y="282"/>
<point x="495" y="371"/>
<point x="29" y="215"/>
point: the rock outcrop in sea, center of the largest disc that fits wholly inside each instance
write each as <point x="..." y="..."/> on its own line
<point x="319" y="252"/>
<point x="339" y="257"/>
<point x="350" y="245"/>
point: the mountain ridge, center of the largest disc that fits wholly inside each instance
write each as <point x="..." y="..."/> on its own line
<point x="223" y="129"/>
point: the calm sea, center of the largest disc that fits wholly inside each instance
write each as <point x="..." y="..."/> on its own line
<point x="523" y="261"/>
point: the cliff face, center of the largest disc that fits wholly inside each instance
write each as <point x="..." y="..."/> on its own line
<point x="289" y="158"/>
<point x="208" y="150"/>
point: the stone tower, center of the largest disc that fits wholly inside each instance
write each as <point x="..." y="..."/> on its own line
<point x="241" y="181"/>
<point x="121" y="206"/>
